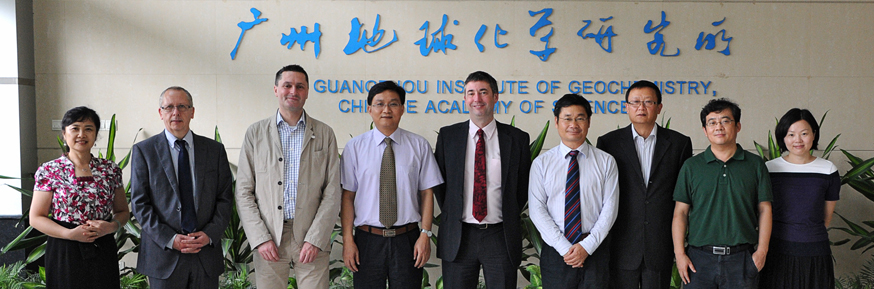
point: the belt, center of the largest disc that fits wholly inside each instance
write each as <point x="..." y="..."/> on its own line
<point x="390" y="232"/>
<point x="483" y="226"/>
<point x="725" y="250"/>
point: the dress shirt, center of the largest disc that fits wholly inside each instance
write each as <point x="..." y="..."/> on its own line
<point x="415" y="169"/>
<point x="645" y="148"/>
<point x="599" y="194"/>
<point x="493" y="175"/>
<point x="292" y="145"/>
<point x="174" y="153"/>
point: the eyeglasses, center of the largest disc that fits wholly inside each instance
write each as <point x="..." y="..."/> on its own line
<point x="725" y="122"/>
<point x="581" y="119"/>
<point x="637" y="103"/>
<point x="180" y="108"/>
<point x="380" y="105"/>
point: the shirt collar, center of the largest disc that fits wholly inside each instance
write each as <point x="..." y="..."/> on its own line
<point x="738" y="154"/>
<point x="189" y="138"/>
<point x="583" y="149"/>
<point x="301" y="121"/>
<point x="489" y="130"/>
<point x="378" y="137"/>
<point x="652" y="133"/>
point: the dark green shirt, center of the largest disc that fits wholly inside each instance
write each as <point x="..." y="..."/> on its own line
<point x="723" y="197"/>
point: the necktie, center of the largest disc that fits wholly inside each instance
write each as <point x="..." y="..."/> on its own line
<point x="388" y="190"/>
<point x="572" y="230"/>
<point x="480" y="209"/>
<point x="186" y="189"/>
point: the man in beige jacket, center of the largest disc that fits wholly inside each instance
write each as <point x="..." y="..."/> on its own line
<point x="288" y="188"/>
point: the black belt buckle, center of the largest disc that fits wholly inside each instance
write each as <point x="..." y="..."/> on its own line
<point x="721" y="250"/>
<point x="389" y="233"/>
<point x="482" y="226"/>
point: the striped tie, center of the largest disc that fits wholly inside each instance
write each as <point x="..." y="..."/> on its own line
<point x="572" y="230"/>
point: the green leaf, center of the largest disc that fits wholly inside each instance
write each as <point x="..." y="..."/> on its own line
<point x="218" y="137"/>
<point x="110" y="142"/>
<point x="841" y="242"/>
<point x="860" y="243"/>
<point x="831" y="146"/>
<point x="20" y="190"/>
<point x="761" y="151"/>
<point x="822" y="119"/>
<point x="856" y="228"/>
<point x="9" y="178"/>
<point x="854" y="160"/>
<point x="668" y="125"/>
<point x="773" y="149"/>
<point x="36" y="254"/>
<point x="126" y="160"/>
<point x="13" y="245"/>
<point x="61" y="145"/>
<point x="857" y="170"/>
<point x="533" y="235"/>
<point x="866" y="188"/>
<point x="537" y="145"/>
<point x="513" y="121"/>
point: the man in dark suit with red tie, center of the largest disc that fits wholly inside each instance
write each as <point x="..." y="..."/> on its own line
<point x="485" y="166"/>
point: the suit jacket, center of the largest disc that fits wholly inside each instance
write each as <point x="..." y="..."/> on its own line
<point x="156" y="203"/>
<point x="643" y="226"/>
<point x="260" y="174"/>
<point x="515" y="165"/>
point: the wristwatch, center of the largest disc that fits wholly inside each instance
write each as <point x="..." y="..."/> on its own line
<point x="427" y="232"/>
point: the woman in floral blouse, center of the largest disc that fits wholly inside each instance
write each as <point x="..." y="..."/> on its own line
<point x="79" y="202"/>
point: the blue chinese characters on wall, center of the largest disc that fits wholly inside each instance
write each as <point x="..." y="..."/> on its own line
<point x="599" y="37"/>
<point x="440" y="42"/>
<point x="710" y="40"/>
<point x="657" y="45"/>
<point x="245" y="26"/>
<point x="360" y="41"/>
<point x="543" y="21"/>
<point x="303" y="37"/>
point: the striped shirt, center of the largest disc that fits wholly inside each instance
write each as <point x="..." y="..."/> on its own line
<point x="292" y="145"/>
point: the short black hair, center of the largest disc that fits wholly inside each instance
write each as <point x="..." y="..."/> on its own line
<point x="383" y="86"/>
<point x="792" y="116"/>
<point x="482" y="76"/>
<point x="572" y="99"/>
<point x="80" y="113"/>
<point x="645" y="84"/>
<point x="717" y="105"/>
<point x="294" y="68"/>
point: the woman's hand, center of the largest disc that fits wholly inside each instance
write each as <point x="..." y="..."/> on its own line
<point x="82" y="233"/>
<point x="102" y="228"/>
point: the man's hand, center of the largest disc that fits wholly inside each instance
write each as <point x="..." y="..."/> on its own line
<point x="684" y="264"/>
<point x="102" y="228"/>
<point x="759" y="259"/>
<point x="268" y="251"/>
<point x="82" y="233"/>
<point x="308" y="253"/>
<point x="576" y="256"/>
<point x="422" y="250"/>
<point x="199" y="239"/>
<point x="350" y="255"/>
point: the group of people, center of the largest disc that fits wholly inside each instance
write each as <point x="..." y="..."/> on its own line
<point x="608" y="214"/>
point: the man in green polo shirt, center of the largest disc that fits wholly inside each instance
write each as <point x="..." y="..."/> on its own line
<point x="723" y="196"/>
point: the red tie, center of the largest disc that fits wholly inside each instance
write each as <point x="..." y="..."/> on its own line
<point x="480" y="209"/>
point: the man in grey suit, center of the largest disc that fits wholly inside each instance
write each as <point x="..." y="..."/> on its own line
<point x="181" y="195"/>
<point x="649" y="158"/>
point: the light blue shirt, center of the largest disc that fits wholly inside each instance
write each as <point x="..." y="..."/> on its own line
<point x="291" y="138"/>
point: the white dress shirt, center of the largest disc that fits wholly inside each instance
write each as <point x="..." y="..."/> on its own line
<point x="645" y="148"/>
<point x="599" y="194"/>
<point x="415" y="170"/>
<point x="493" y="175"/>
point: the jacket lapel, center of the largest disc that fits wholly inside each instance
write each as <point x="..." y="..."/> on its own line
<point x="627" y="143"/>
<point x="200" y="164"/>
<point x="163" y="150"/>
<point x="458" y="147"/>
<point x="663" y="142"/>
<point x="505" y="142"/>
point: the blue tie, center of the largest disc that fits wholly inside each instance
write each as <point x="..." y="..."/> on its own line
<point x="186" y="189"/>
<point x="572" y="230"/>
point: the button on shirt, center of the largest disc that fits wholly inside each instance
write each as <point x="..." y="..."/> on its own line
<point x="599" y="194"/>
<point x="645" y="148"/>
<point x="292" y="145"/>
<point x="493" y="175"/>
<point x="415" y="170"/>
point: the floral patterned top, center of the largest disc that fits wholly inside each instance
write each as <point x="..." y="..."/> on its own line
<point x="79" y="199"/>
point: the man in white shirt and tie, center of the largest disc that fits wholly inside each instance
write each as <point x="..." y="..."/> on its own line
<point x="573" y="193"/>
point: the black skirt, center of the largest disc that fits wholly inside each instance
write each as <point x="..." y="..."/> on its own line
<point x="798" y="266"/>
<point x="72" y="264"/>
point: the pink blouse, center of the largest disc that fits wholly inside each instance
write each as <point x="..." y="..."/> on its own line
<point x="79" y="199"/>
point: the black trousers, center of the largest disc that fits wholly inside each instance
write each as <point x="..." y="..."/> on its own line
<point x="593" y="275"/>
<point x="642" y="277"/>
<point x="735" y="271"/>
<point x="484" y="248"/>
<point x="387" y="258"/>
